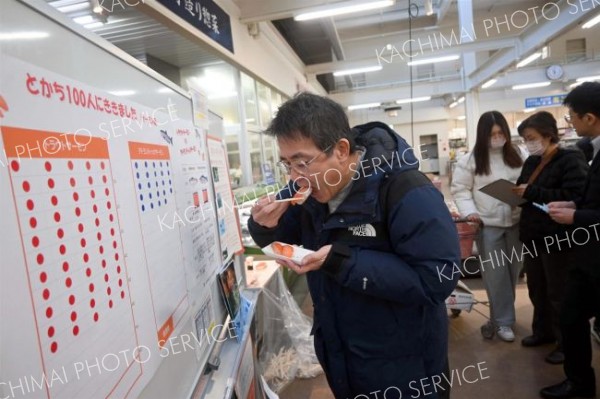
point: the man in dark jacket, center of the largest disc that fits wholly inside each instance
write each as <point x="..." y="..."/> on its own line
<point x="381" y="236"/>
<point x="582" y="300"/>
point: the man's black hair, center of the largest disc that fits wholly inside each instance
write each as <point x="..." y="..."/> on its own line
<point x="584" y="99"/>
<point x="314" y="117"/>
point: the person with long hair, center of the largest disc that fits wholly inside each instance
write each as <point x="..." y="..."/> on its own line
<point x="493" y="157"/>
<point x="550" y="174"/>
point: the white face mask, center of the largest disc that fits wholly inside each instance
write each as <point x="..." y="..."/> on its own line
<point x="535" y="147"/>
<point x="497" y="142"/>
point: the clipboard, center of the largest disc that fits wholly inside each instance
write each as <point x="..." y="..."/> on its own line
<point x="501" y="190"/>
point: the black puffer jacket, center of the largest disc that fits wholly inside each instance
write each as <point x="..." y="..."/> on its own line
<point x="563" y="179"/>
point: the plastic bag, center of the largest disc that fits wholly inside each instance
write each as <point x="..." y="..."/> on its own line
<point x="285" y="349"/>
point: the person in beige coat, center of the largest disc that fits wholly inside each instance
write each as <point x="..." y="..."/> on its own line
<point x="493" y="157"/>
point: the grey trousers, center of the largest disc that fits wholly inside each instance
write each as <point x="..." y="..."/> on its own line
<point x="501" y="261"/>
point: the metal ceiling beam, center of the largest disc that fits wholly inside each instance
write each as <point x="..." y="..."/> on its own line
<point x="533" y="39"/>
<point x="336" y="45"/>
<point x="443" y="10"/>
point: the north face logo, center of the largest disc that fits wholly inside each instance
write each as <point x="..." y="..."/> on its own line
<point x="363" y="230"/>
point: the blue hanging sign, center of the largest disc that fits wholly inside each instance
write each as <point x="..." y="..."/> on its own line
<point x="546" y="101"/>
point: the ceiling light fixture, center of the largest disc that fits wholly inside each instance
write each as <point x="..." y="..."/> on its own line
<point x="531" y="85"/>
<point x="331" y="12"/>
<point x="453" y="104"/>
<point x="413" y="100"/>
<point x="363" y="106"/>
<point x="588" y="78"/>
<point x="529" y="110"/>
<point x="461" y="117"/>
<point x="591" y="22"/>
<point x="529" y="59"/>
<point x="489" y="83"/>
<point x="84" y="20"/>
<point x="461" y="100"/>
<point x="93" y="25"/>
<point x="72" y="7"/>
<point x="433" y="60"/>
<point x="373" y="68"/>
<point x="23" y="35"/>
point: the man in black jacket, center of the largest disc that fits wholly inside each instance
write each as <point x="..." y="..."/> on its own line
<point x="582" y="300"/>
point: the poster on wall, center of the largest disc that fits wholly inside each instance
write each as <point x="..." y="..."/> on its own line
<point x="227" y="215"/>
<point x="96" y="272"/>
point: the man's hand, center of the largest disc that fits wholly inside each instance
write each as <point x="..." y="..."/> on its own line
<point x="267" y="212"/>
<point x="519" y="190"/>
<point x="562" y="204"/>
<point x="562" y="215"/>
<point x="474" y="217"/>
<point x="310" y="262"/>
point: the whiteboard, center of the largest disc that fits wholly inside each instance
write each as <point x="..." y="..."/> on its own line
<point x="137" y="307"/>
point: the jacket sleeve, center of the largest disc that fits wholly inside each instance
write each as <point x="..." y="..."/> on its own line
<point x="573" y="174"/>
<point x="462" y="187"/>
<point x="420" y="269"/>
<point x="287" y="230"/>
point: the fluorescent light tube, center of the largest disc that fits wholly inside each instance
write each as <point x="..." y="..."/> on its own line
<point x="461" y="100"/>
<point x="23" y="35"/>
<point x="373" y="68"/>
<point x="529" y="59"/>
<point x="122" y="92"/>
<point x="529" y="110"/>
<point x="74" y="7"/>
<point x="93" y="25"/>
<point x="591" y="22"/>
<point x="413" y="100"/>
<point x="461" y="117"/>
<point x="331" y="12"/>
<point x="434" y="60"/>
<point x="363" y="106"/>
<point x="84" y="20"/>
<point x="588" y="78"/>
<point x="531" y="85"/>
<point x="489" y="83"/>
<point x="453" y="104"/>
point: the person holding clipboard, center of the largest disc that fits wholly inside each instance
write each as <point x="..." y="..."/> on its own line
<point x="550" y="174"/>
<point x="493" y="158"/>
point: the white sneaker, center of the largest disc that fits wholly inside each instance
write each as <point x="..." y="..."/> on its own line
<point x="505" y="333"/>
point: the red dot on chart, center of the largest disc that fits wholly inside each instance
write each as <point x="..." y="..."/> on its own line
<point x="88" y="272"/>
<point x="120" y="282"/>
<point x="15" y="166"/>
<point x="51" y="332"/>
<point x="103" y="263"/>
<point x="110" y="304"/>
<point x="92" y="194"/>
<point x="46" y="294"/>
<point x="65" y="266"/>
<point x="112" y="231"/>
<point x="80" y="227"/>
<point x="40" y="259"/>
<point x="95" y="208"/>
<point x="83" y="243"/>
<point x="62" y="249"/>
<point x="101" y="249"/>
<point x="60" y="233"/>
<point x="73" y="316"/>
<point x="123" y="294"/>
<point x="99" y="236"/>
<point x="77" y="212"/>
<point x="68" y="282"/>
<point x="43" y="277"/>
<point x="86" y="258"/>
<point x="118" y="269"/>
<point x="48" y="166"/>
<point x="30" y="205"/>
<point x="49" y="312"/>
<point x="70" y="165"/>
<point x="102" y="165"/>
<point x="92" y="303"/>
<point x="54" y="200"/>
<point x="72" y="182"/>
<point x="97" y="222"/>
<point x="26" y="186"/>
<point x="96" y="316"/>
<point x="35" y="241"/>
<point x="53" y="347"/>
<point x="33" y="223"/>
<point x="111" y="217"/>
<point x="75" y="330"/>
<point x="108" y="291"/>
<point x="91" y="287"/>
<point x="88" y="166"/>
<point x="114" y="244"/>
<point x="57" y="217"/>
<point x="117" y="257"/>
<point x="106" y="280"/>
<point x="91" y="180"/>
<point x="104" y="179"/>
<point x="108" y="205"/>
<point x="76" y="196"/>
<point x="71" y="299"/>
<point x="51" y="183"/>
<point x="107" y="192"/>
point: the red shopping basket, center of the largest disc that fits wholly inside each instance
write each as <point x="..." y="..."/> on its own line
<point x="467" y="233"/>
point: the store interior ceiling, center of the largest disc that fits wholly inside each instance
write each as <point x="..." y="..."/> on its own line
<point x="379" y="38"/>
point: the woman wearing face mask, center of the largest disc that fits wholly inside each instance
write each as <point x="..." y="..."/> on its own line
<point x="493" y="157"/>
<point x="550" y="174"/>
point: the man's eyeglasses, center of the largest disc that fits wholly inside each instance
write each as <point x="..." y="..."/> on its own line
<point x="299" y="166"/>
<point x="568" y="118"/>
